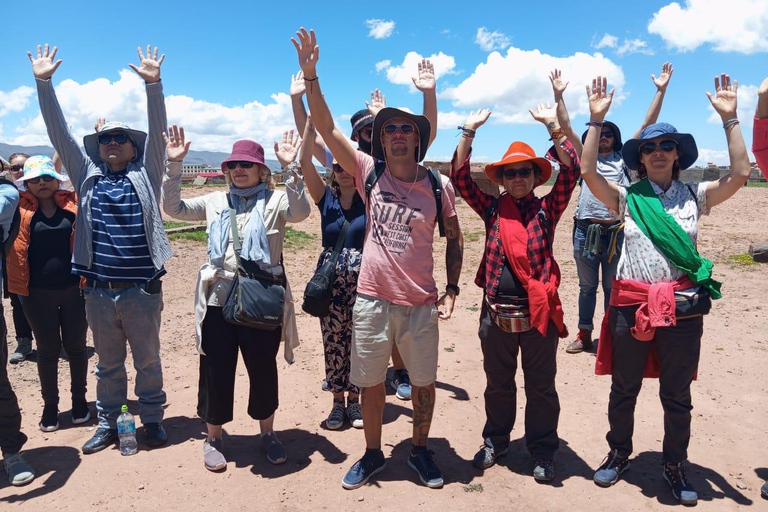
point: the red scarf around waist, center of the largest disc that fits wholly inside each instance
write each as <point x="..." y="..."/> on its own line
<point x="543" y="301"/>
<point x="656" y="309"/>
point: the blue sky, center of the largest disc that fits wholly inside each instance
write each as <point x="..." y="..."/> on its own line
<point x="228" y="63"/>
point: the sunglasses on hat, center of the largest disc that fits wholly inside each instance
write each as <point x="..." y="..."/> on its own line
<point x="245" y="165"/>
<point x="511" y="174"/>
<point x="120" y="138"/>
<point x="46" y="178"/>
<point x="667" y="146"/>
<point x="405" y="129"/>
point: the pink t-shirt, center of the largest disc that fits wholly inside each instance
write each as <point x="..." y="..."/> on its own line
<point x="397" y="256"/>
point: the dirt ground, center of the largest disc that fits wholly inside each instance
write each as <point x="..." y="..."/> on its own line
<point x="728" y="453"/>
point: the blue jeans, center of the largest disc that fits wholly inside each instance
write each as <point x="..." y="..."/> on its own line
<point x="115" y="316"/>
<point x="588" y="270"/>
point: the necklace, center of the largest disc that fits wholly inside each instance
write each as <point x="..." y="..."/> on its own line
<point x="415" y="178"/>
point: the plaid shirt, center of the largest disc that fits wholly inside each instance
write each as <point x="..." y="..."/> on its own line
<point x="540" y="216"/>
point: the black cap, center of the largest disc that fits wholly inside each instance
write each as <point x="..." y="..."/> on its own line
<point x="360" y="120"/>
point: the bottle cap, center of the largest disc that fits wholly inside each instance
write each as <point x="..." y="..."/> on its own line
<point x="124" y="408"/>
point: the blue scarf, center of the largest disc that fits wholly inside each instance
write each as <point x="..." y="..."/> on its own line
<point x="254" y="236"/>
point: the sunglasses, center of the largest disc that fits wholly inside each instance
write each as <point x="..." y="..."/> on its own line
<point x="405" y="129"/>
<point x="606" y="135"/>
<point x="244" y="165"/>
<point x="666" y="146"/>
<point x="511" y="174"/>
<point x="337" y="168"/>
<point x="45" y="178"/>
<point x="120" y="138"/>
<point x="17" y="167"/>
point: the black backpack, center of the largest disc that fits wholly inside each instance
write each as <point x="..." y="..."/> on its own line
<point x="434" y="180"/>
<point x="7" y="245"/>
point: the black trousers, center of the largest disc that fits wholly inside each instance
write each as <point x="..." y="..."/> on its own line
<point x="20" y="324"/>
<point x="542" y="405"/>
<point x="678" y="348"/>
<point x="216" y="391"/>
<point x="58" y="319"/>
<point x="11" y="437"/>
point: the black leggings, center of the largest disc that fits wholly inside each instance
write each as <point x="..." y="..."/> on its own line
<point x="216" y="391"/>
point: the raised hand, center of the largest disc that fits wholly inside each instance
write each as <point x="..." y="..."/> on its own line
<point x="724" y="99"/>
<point x="599" y="98"/>
<point x="544" y="113"/>
<point x="558" y="85"/>
<point x="99" y="123"/>
<point x="288" y="149"/>
<point x="663" y="80"/>
<point x="308" y="51"/>
<point x="426" y="79"/>
<point x="298" y="87"/>
<point x="378" y="102"/>
<point x="477" y="118"/>
<point x="176" y="145"/>
<point x="44" y="66"/>
<point x="149" y="68"/>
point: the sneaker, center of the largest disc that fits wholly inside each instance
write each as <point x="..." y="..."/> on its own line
<point x="50" y="420"/>
<point x="19" y="472"/>
<point x="23" y="349"/>
<point x="355" y="414"/>
<point x="212" y="457"/>
<point x="423" y="464"/>
<point x="764" y="491"/>
<point x="372" y="462"/>
<point x="583" y="342"/>
<point x="336" y="418"/>
<point x="543" y="470"/>
<point x="609" y="471"/>
<point x="102" y="438"/>
<point x="276" y="453"/>
<point x="683" y="491"/>
<point x="80" y="411"/>
<point x="401" y="383"/>
<point x="486" y="457"/>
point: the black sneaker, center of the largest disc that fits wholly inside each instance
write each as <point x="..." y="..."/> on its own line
<point x="80" y="411"/>
<point x="609" y="471"/>
<point x="103" y="438"/>
<point x="764" y="491"/>
<point x="50" y="420"/>
<point x="155" y="435"/>
<point x="429" y="474"/>
<point x="543" y="470"/>
<point x="372" y="462"/>
<point x="486" y="456"/>
<point x="683" y="491"/>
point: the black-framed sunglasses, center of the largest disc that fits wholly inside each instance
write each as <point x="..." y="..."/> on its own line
<point x="120" y="138"/>
<point x="245" y="165"/>
<point x="17" y="167"/>
<point x="666" y="146"/>
<point x="337" y="169"/>
<point x="607" y="134"/>
<point x="511" y="174"/>
<point x="405" y="129"/>
<point x="46" y="178"/>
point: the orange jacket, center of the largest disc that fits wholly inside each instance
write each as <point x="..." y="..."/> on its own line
<point x="17" y="259"/>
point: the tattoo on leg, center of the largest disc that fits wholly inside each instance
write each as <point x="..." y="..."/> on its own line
<point x="422" y="416"/>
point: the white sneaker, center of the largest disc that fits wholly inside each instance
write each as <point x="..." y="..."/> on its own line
<point x="355" y="414"/>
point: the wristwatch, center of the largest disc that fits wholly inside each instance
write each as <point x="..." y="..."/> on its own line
<point x="453" y="287"/>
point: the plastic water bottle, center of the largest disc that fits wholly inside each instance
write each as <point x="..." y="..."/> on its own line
<point x="126" y="429"/>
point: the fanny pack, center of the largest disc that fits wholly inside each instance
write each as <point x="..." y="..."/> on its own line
<point x="514" y="316"/>
<point x="689" y="306"/>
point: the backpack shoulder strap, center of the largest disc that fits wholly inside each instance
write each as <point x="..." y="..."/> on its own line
<point x="437" y="188"/>
<point x="373" y="177"/>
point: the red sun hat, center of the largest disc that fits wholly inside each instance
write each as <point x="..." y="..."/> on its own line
<point x="519" y="152"/>
<point x="246" y="151"/>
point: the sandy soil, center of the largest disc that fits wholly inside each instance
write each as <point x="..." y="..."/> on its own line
<point x="729" y="460"/>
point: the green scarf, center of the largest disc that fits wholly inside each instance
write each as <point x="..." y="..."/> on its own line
<point x="668" y="237"/>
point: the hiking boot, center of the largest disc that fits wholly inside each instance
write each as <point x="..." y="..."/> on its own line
<point x="372" y="462"/>
<point x="80" y="411"/>
<point x="401" y="383"/>
<point x="486" y="457"/>
<point x="674" y="474"/>
<point x="423" y="464"/>
<point x="19" y="471"/>
<point x="50" y="420"/>
<point x="23" y="349"/>
<point x="609" y="471"/>
<point x="543" y="470"/>
<point x="355" y="414"/>
<point x="583" y="342"/>
<point x="212" y="457"/>
<point x="276" y="453"/>
<point x="336" y="418"/>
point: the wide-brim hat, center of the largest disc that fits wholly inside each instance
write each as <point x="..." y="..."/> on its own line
<point x="617" y="144"/>
<point x="246" y="151"/>
<point x="37" y="166"/>
<point x="91" y="141"/>
<point x="689" y="153"/>
<point x="360" y="120"/>
<point x="388" y="113"/>
<point x="516" y="153"/>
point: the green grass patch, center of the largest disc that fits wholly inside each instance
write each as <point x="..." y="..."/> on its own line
<point x="170" y="224"/>
<point x="474" y="236"/>
<point x="742" y="259"/>
<point x="758" y="184"/>
<point x="199" y="236"/>
<point x="474" y="309"/>
<point x="296" y="240"/>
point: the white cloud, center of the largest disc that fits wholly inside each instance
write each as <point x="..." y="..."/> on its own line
<point x="402" y="73"/>
<point x="630" y="46"/>
<point x="513" y="83"/>
<point x="747" y="101"/>
<point x="15" y="100"/>
<point x="380" y="29"/>
<point x="738" y="26"/>
<point x="715" y="156"/>
<point x="608" y="41"/>
<point x="450" y="120"/>
<point x="383" y="64"/>
<point x="490" y="41"/>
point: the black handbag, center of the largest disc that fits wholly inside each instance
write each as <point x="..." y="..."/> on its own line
<point x="317" y="294"/>
<point x="257" y="297"/>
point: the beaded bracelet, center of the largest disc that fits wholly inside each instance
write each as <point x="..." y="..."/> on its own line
<point x="467" y="132"/>
<point x="730" y="122"/>
<point x="599" y="124"/>
<point x="311" y="80"/>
